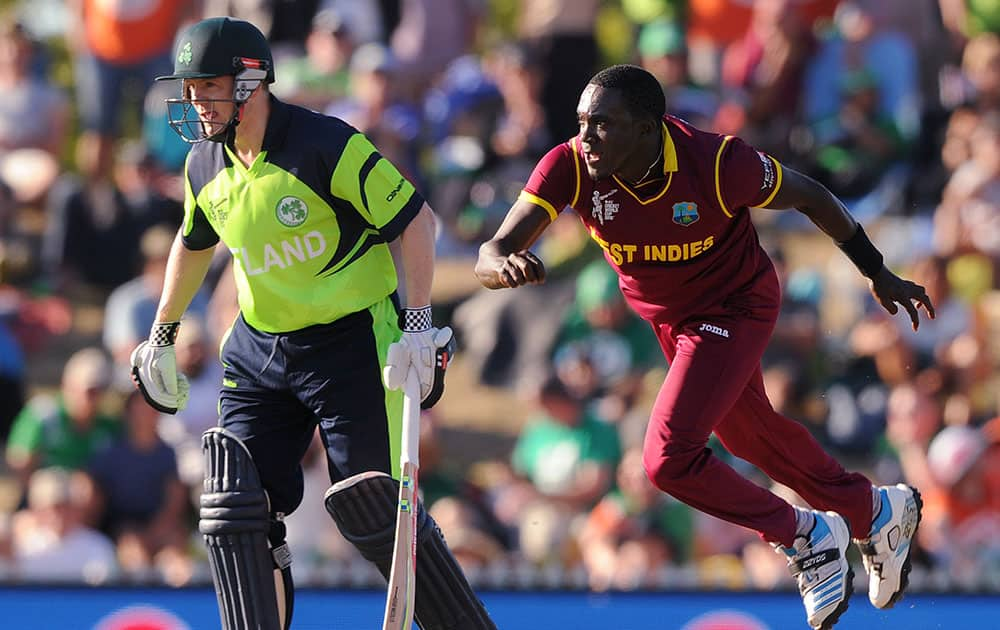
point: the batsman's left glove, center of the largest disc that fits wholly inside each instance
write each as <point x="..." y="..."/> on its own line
<point x="154" y="370"/>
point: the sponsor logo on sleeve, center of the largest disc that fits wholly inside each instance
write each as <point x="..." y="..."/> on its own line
<point x="767" y="177"/>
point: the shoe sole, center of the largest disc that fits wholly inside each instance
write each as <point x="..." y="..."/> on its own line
<point x="904" y="575"/>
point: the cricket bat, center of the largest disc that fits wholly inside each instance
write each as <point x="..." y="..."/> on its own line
<point x="402" y="576"/>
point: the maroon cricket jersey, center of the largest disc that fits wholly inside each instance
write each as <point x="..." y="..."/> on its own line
<point x="683" y="246"/>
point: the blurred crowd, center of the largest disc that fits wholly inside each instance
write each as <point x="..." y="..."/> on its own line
<point x="893" y="104"/>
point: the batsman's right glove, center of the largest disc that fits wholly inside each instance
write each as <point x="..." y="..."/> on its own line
<point x="154" y="370"/>
<point x="427" y="349"/>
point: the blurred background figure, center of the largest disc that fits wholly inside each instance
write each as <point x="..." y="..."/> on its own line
<point x="762" y="74"/>
<point x="430" y="35"/>
<point x="140" y="501"/>
<point x="963" y="515"/>
<point x="663" y="52"/>
<point x="119" y="48"/>
<point x="320" y="76"/>
<point x="635" y="531"/>
<point x="67" y="428"/>
<point x="376" y="108"/>
<point x="131" y="307"/>
<point x="93" y="225"/>
<point x="562" y="31"/>
<point x="50" y="540"/>
<point x="567" y="452"/>
<point x="34" y="117"/>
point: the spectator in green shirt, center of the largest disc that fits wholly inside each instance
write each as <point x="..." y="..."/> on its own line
<point x="66" y="428"/>
<point x="567" y="452"/>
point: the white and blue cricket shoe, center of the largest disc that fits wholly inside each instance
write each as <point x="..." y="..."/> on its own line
<point x="886" y="551"/>
<point x="819" y="564"/>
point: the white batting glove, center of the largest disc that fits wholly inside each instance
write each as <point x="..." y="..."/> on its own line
<point x="426" y="348"/>
<point x="154" y="370"/>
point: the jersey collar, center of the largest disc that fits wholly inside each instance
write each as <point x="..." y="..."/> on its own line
<point x="669" y="168"/>
<point x="277" y="124"/>
<point x="669" y="151"/>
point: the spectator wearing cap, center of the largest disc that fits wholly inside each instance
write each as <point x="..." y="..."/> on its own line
<point x="376" y="109"/>
<point x="64" y="429"/>
<point x="320" y="76"/>
<point x="567" y="452"/>
<point x="604" y="350"/>
<point x="962" y="508"/>
<point x="131" y="307"/>
<point x="662" y="49"/>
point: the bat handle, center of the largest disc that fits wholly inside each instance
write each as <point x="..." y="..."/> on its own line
<point x="409" y="451"/>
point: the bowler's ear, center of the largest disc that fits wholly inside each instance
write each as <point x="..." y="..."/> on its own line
<point x="649" y="126"/>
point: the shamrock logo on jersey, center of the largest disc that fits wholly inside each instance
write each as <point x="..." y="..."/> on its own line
<point x="184" y="56"/>
<point x="291" y="211"/>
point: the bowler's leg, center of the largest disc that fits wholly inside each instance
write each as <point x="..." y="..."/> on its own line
<point x="788" y="454"/>
<point x="707" y="375"/>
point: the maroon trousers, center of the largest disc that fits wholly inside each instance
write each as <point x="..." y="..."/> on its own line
<point x="715" y="384"/>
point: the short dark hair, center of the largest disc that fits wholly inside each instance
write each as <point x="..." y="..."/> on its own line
<point x="641" y="90"/>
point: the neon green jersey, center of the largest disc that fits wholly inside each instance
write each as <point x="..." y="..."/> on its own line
<point x="308" y="223"/>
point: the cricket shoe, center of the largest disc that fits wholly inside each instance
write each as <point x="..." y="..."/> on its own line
<point x="819" y="564"/>
<point x="886" y="551"/>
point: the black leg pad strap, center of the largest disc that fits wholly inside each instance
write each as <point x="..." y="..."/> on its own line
<point x="364" y="508"/>
<point x="235" y="523"/>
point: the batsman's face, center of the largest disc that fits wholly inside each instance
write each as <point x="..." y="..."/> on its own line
<point x="212" y="100"/>
<point x="608" y="132"/>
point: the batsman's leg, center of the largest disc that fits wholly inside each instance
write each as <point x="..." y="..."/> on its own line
<point x="364" y="508"/>
<point x="251" y="565"/>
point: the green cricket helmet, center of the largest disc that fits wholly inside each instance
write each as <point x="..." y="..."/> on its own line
<point x="214" y="47"/>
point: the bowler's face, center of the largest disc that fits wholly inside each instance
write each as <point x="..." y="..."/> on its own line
<point x="608" y="131"/>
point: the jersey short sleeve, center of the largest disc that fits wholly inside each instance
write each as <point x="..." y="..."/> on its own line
<point x="375" y="188"/>
<point x="745" y="177"/>
<point x="555" y="181"/>
<point x="196" y="232"/>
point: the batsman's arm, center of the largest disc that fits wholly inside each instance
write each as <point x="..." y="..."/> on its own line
<point x="417" y="250"/>
<point x="186" y="270"/>
<point x="832" y="217"/>
<point x="504" y="260"/>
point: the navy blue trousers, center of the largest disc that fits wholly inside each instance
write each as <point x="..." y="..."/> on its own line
<point x="278" y="387"/>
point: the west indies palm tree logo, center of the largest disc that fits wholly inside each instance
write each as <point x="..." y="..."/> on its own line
<point x="685" y="213"/>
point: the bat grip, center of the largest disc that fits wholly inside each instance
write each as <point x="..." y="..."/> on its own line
<point x="409" y="452"/>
